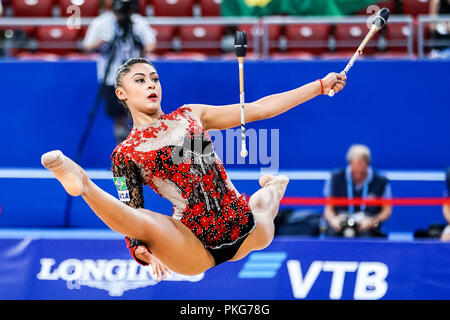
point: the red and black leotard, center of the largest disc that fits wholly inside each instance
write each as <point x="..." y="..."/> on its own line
<point x="176" y="158"/>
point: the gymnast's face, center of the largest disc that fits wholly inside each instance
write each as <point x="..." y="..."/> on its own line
<point x="141" y="90"/>
<point x="359" y="168"/>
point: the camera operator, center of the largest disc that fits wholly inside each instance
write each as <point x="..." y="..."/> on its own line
<point x="357" y="180"/>
<point x="118" y="35"/>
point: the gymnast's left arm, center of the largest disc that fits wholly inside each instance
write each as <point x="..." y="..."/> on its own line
<point x="229" y="116"/>
<point x="133" y="188"/>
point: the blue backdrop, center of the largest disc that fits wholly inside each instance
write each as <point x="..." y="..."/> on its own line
<point x="400" y="109"/>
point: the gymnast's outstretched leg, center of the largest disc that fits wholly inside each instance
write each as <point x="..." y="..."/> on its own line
<point x="168" y="239"/>
<point x="264" y="204"/>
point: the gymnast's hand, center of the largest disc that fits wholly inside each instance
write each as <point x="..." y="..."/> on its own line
<point x="335" y="81"/>
<point x="158" y="268"/>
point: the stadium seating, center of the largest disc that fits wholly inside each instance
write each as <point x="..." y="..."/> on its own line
<point x="164" y="37"/>
<point x="20" y="35"/>
<point x="191" y="56"/>
<point x="416" y="7"/>
<point x="28" y="56"/>
<point x="350" y="36"/>
<point x="397" y="37"/>
<point x="143" y="7"/>
<point x="32" y="8"/>
<point x="29" y="30"/>
<point x="252" y="36"/>
<point x="210" y="8"/>
<point x="311" y="38"/>
<point x="88" y="8"/>
<point x="427" y="35"/>
<point x="201" y="38"/>
<point x="390" y="4"/>
<point x="274" y="31"/>
<point x="83" y="31"/>
<point x="57" y="39"/>
<point x="173" y="8"/>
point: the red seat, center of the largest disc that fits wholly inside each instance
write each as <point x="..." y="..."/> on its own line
<point x="274" y="32"/>
<point x="397" y="36"/>
<point x="142" y="7"/>
<point x="202" y="38"/>
<point x="210" y="8"/>
<point x="32" y="8"/>
<point x="349" y="37"/>
<point x="311" y="38"/>
<point x="197" y="56"/>
<point x="83" y="31"/>
<point x="88" y="8"/>
<point x="57" y="39"/>
<point x="416" y="7"/>
<point x="396" y="55"/>
<point x="36" y="56"/>
<point x="292" y="56"/>
<point x="82" y="56"/>
<point x="164" y="37"/>
<point x="173" y="8"/>
<point x="340" y="55"/>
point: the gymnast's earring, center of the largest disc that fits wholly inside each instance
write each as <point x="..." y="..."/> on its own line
<point x="119" y="93"/>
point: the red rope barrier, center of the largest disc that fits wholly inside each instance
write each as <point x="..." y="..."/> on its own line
<point x="301" y="201"/>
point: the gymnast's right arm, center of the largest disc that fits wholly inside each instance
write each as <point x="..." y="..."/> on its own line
<point x="229" y="116"/>
<point x="132" y="192"/>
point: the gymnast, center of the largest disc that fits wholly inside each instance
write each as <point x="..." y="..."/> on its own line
<point x="172" y="153"/>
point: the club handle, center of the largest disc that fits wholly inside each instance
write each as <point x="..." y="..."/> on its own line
<point x="241" y="74"/>
<point x="349" y="65"/>
<point x="373" y="30"/>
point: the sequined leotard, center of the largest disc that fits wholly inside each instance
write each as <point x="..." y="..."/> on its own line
<point x="176" y="158"/>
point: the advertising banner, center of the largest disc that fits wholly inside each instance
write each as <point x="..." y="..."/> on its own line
<point x="290" y="268"/>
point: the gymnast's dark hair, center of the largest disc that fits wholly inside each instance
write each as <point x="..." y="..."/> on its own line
<point x="125" y="68"/>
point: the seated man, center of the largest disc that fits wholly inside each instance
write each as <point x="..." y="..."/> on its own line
<point x="446" y="208"/>
<point x="357" y="181"/>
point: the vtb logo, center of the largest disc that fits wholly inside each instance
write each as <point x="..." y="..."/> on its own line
<point x="370" y="281"/>
<point x="370" y="278"/>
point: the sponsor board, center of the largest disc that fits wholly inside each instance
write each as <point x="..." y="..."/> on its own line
<point x="115" y="276"/>
<point x="287" y="269"/>
<point x="370" y="283"/>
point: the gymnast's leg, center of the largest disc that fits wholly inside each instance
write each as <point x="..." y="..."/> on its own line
<point x="168" y="239"/>
<point x="264" y="204"/>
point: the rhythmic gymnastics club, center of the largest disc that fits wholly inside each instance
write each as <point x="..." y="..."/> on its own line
<point x="240" y="44"/>
<point x="378" y="23"/>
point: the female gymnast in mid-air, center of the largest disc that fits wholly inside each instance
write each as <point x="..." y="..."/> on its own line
<point x="172" y="153"/>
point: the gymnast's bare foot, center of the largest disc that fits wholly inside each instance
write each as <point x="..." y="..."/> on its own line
<point x="66" y="171"/>
<point x="280" y="182"/>
<point x="267" y="178"/>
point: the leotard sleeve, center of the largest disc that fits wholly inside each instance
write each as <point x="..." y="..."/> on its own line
<point x="128" y="181"/>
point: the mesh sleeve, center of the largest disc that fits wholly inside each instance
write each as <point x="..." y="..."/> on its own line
<point x="128" y="170"/>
